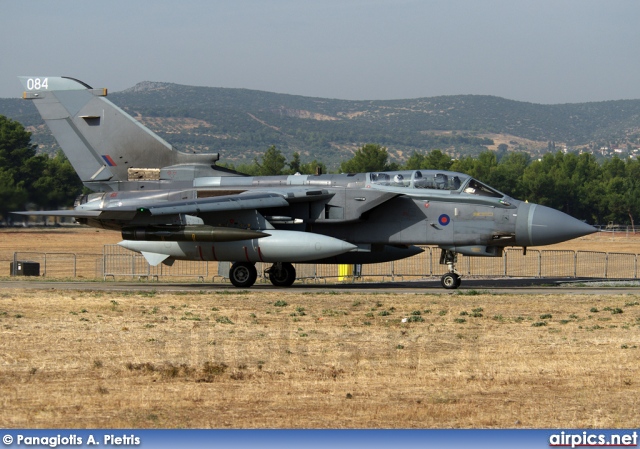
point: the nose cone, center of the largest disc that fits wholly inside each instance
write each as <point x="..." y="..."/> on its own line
<point x="539" y="225"/>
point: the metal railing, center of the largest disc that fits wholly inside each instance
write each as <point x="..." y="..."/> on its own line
<point x="119" y="263"/>
<point x="61" y="265"/>
<point x="617" y="230"/>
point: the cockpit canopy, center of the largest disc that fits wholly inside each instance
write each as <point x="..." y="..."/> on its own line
<point x="433" y="179"/>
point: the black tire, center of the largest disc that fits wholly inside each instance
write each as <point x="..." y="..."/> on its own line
<point x="450" y="281"/>
<point x="283" y="275"/>
<point x="243" y="274"/>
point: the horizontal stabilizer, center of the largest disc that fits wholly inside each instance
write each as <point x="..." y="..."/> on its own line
<point x="60" y="213"/>
<point x="115" y="214"/>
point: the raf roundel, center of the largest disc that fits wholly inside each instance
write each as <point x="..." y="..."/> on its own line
<point x="444" y="220"/>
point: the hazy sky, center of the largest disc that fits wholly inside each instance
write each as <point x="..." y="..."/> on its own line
<point x="542" y="51"/>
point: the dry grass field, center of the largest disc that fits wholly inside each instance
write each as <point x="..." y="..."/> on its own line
<point x="65" y="239"/>
<point x="266" y="359"/>
<point x="260" y="359"/>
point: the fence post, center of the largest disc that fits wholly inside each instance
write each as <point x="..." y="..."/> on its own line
<point x="504" y="263"/>
<point x="606" y="265"/>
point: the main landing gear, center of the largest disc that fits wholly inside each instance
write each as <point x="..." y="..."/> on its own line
<point x="244" y="274"/>
<point x="281" y="274"/>
<point x="450" y="280"/>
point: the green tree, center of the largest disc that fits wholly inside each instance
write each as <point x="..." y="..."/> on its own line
<point x="415" y="162"/>
<point x="507" y="175"/>
<point x="485" y="166"/>
<point x="502" y="151"/>
<point x="30" y="172"/>
<point x="438" y="160"/>
<point x="435" y="160"/>
<point x="620" y="191"/>
<point x="15" y="150"/>
<point x="12" y="195"/>
<point x="632" y="195"/>
<point x="273" y="162"/>
<point x="15" y="145"/>
<point x="58" y="184"/>
<point x="567" y="182"/>
<point x="295" y="163"/>
<point x="251" y="169"/>
<point x="368" y="158"/>
<point x="29" y="177"/>
<point x="311" y="168"/>
<point x="480" y="168"/>
<point x="539" y="181"/>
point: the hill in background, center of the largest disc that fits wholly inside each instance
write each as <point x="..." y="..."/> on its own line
<point x="241" y="124"/>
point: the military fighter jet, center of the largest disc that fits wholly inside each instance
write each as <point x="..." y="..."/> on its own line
<point x="170" y="205"/>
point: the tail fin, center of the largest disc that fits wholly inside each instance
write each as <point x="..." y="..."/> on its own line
<point x="101" y="141"/>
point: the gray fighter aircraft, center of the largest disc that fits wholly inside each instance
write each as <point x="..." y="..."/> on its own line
<point x="170" y="205"/>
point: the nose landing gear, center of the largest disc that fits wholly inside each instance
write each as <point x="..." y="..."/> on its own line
<point x="450" y="280"/>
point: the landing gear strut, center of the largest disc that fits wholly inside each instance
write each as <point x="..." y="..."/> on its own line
<point x="450" y="280"/>
<point x="243" y="274"/>
<point x="281" y="274"/>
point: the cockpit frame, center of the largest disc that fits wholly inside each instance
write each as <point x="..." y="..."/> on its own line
<point x="437" y="180"/>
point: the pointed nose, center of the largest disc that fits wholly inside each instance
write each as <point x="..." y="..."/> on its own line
<point x="539" y="225"/>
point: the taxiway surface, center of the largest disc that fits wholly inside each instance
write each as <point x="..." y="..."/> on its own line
<point x="493" y="286"/>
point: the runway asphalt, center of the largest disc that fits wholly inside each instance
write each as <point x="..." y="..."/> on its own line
<point x="469" y="286"/>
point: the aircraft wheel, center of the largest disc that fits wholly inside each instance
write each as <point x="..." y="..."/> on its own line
<point x="243" y="274"/>
<point x="450" y="281"/>
<point x="282" y="275"/>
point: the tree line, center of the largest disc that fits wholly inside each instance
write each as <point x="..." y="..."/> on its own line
<point x="28" y="179"/>
<point x="598" y="192"/>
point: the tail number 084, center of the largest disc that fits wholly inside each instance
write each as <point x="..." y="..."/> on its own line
<point x="37" y="83"/>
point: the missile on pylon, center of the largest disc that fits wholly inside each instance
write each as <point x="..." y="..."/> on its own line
<point x="200" y="233"/>
<point x="277" y="246"/>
